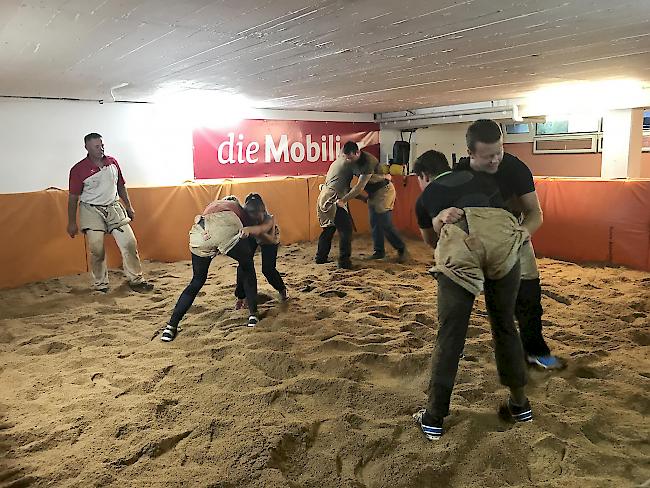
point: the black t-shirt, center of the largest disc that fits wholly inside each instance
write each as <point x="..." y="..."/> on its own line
<point x="513" y="176"/>
<point x="457" y="189"/>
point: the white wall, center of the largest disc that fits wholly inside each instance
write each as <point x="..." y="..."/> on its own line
<point x="446" y="138"/>
<point x="40" y="140"/>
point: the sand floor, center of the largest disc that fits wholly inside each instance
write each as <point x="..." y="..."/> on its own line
<point x="321" y="393"/>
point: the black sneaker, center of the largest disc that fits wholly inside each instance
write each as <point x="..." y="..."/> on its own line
<point x="431" y="427"/>
<point x="402" y="256"/>
<point x="320" y="260"/>
<point x="141" y="286"/>
<point x="513" y="413"/>
<point x="376" y="255"/>
<point x="284" y="295"/>
<point x="345" y="264"/>
<point x="252" y="321"/>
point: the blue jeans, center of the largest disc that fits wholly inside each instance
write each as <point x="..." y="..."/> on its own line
<point x="382" y="226"/>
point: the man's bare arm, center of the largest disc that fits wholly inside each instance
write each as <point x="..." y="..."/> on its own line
<point x="358" y="188"/>
<point x="73" y="201"/>
<point x="532" y="210"/>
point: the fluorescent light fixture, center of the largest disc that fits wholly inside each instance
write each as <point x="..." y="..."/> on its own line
<point x="203" y="108"/>
<point x="588" y="98"/>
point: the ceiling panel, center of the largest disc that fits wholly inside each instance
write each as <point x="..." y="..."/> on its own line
<point x="364" y="55"/>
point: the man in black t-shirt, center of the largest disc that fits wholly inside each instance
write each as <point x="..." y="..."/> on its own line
<point x="515" y="180"/>
<point x="479" y="251"/>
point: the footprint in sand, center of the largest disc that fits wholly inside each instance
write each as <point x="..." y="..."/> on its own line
<point x="406" y="286"/>
<point x="383" y="315"/>
<point x="164" y="406"/>
<point x="333" y="293"/>
<point x="289" y="455"/>
<point x="16" y="478"/>
<point x="157" y="298"/>
<point x="556" y="296"/>
<point x="146" y="386"/>
<point x="640" y="337"/>
<point x="588" y="373"/>
<point x="325" y="314"/>
<point x="55" y="347"/>
<point x="546" y="459"/>
<point x="152" y="449"/>
<point x="425" y="318"/>
<point x="36" y="339"/>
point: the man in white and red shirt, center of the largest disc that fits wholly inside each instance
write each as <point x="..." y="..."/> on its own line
<point x="96" y="184"/>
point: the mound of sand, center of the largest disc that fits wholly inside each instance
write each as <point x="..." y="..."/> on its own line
<point x="321" y="393"/>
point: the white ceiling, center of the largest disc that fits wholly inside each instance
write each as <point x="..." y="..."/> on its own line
<point x="352" y="56"/>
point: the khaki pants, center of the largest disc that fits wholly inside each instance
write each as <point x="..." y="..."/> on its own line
<point x="326" y="209"/>
<point x="104" y="218"/>
<point x="97" y="221"/>
<point x="128" y="246"/>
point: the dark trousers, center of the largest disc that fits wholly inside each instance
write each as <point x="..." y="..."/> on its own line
<point x="240" y="253"/>
<point x="528" y="311"/>
<point x="342" y="224"/>
<point x="382" y="226"/>
<point x="454" y="309"/>
<point x="269" y="258"/>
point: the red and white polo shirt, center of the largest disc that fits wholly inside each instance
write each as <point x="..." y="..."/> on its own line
<point x="94" y="185"/>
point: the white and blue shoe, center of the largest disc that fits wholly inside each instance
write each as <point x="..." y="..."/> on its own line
<point x="432" y="432"/>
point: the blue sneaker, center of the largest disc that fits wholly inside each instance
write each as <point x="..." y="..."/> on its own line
<point x="431" y="429"/>
<point x="546" y="362"/>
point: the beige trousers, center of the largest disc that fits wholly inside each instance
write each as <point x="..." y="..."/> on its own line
<point x="326" y="209"/>
<point x="128" y="246"/>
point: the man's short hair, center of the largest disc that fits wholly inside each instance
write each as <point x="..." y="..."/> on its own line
<point x="484" y="130"/>
<point x="92" y="135"/>
<point x="350" y="147"/>
<point x="431" y="163"/>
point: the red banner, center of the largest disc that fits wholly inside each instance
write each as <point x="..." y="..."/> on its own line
<point x="276" y="147"/>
